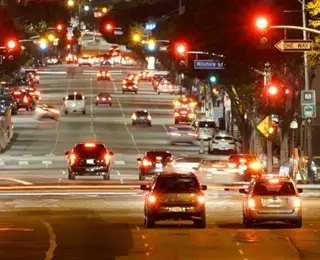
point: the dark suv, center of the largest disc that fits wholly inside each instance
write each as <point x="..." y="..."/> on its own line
<point x="152" y="162"/>
<point x="24" y="100"/>
<point x="175" y="196"/>
<point x="89" y="159"/>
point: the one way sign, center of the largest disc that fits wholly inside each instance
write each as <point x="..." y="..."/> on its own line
<point x="294" y="45"/>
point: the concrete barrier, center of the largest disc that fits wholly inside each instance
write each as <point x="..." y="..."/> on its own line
<point x="6" y="129"/>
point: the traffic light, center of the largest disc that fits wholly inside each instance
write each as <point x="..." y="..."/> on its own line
<point x="59" y="27"/>
<point x="215" y="91"/>
<point x="69" y="38"/>
<point x="263" y="38"/>
<point x="109" y="27"/>
<point x="151" y="45"/>
<point x="136" y="37"/>
<point x="11" y="44"/>
<point x="181" y="53"/>
<point x="104" y="10"/>
<point x="273" y="90"/>
<point x="213" y="79"/>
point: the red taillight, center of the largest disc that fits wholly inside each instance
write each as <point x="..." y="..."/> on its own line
<point x="17" y="93"/>
<point x="37" y="93"/>
<point x="37" y="77"/>
<point x="97" y="98"/>
<point x="251" y="203"/>
<point x="201" y="199"/>
<point x="89" y="145"/>
<point x="232" y="165"/>
<point x="72" y="159"/>
<point x="149" y="117"/>
<point x="107" y="158"/>
<point x="152" y="199"/>
<point x="146" y="163"/>
<point x="99" y="74"/>
<point x="242" y="160"/>
<point x="124" y="81"/>
<point x="159" y="158"/>
<point x="176" y="114"/>
<point x="297" y="203"/>
<point x="25" y="100"/>
<point x="274" y="181"/>
<point x="108" y="74"/>
<point x="109" y="98"/>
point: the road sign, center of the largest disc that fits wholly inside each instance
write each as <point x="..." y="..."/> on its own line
<point x="294" y="45"/>
<point x="263" y="127"/>
<point x="208" y="64"/>
<point x="308" y="104"/>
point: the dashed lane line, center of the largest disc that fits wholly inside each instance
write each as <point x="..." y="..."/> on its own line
<point x="16" y="180"/>
<point x="23" y="162"/>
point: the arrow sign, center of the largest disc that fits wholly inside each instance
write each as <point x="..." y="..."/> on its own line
<point x="294" y="45"/>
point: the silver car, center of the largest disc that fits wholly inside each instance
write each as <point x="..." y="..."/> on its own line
<point x="182" y="134"/>
<point x="272" y="198"/>
<point x="206" y="129"/>
<point x="222" y="143"/>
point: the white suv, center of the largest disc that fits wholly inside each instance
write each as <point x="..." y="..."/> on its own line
<point x="222" y="143"/>
<point x="74" y="103"/>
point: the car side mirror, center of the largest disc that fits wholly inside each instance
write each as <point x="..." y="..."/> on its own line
<point x="110" y="153"/>
<point x="203" y="187"/>
<point x="145" y="187"/>
<point x="67" y="153"/>
<point x="243" y="191"/>
<point x="139" y="159"/>
<point x="300" y="190"/>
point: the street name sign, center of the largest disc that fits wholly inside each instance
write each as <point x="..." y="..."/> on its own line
<point x="308" y="104"/>
<point x="294" y="45"/>
<point x="208" y="65"/>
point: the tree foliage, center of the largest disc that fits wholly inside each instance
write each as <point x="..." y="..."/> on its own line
<point x="314" y="12"/>
<point x="36" y="28"/>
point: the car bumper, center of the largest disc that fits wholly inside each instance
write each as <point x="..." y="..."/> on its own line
<point x="184" y="119"/>
<point x="104" y="101"/>
<point x="141" y="121"/>
<point x="130" y="89"/>
<point x="75" y="109"/>
<point x="274" y="215"/>
<point x="151" y="171"/>
<point x="103" y="78"/>
<point x="176" y="212"/>
<point x="90" y="170"/>
<point x="182" y="139"/>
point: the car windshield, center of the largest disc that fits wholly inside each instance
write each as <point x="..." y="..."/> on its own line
<point x="227" y="138"/>
<point x="75" y="97"/>
<point x="177" y="184"/>
<point x="152" y="155"/>
<point x="274" y="189"/>
<point x="87" y="151"/>
<point x="207" y="124"/>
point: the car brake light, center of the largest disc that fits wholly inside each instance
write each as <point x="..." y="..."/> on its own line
<point x="134" y="117"/>
<point x="255" y="165"/>
<point x="37" y="93"/>
<point x="97" y="98"/>
<point x="109" y="98"/>
<point x="72" y="159"/>
<point x="176" y="114"/>
<point x="107" y="158"/>
<point x="124" y="81"/>
<point x="191" y="115"/>
<point x="175" y="134"/>
<point x="37" y="77"/>
<point x="89" y="145"/>
<point x="170" y="86"/>
<point x="273" y="181"/>
<point x="200" y="199"/>
<point x="25" y="100"/>
<point x="99" y="74"/>
<point x="159" y="158"/>
<point x="149" y="117"/>
<point x="108" y="74"/>
<point x="297" y="203"/>
<point x="75" y="93"/>
<point x="152" y="199"/>
<point x="251" y="203"/>
<point x="103" y="73"/>
<point x="232" y="165"/>
<point x="17" y="93"/>
<point x="146" y="163"/>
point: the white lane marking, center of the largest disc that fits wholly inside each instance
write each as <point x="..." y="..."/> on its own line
<point x="58" y="122"/>
<point x="116" y="91"/>
<point x="6" y="194"/>
<point x="52" y="72"/>
<point x="91" y="112"/>
<point x="17" y="180"/>
<point x="17" y="229"/>
<point x="165" y="129"/>
<point x="46" y="162"/>
<point x="52" y="241"/>
<point x="23" y="163"/>
<point x="2" y="163"/>
<point x="120" y="162"/>
<point x="26" y="155"/>
<point x="143" y="237"/>
<point x="241" y="252"/>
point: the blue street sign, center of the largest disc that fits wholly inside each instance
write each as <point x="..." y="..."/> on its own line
<point x="208" y="65"/>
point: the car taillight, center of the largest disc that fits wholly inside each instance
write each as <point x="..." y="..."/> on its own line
<point x="124" y="86"/>
<point x="152" y="199"/>
<point x="108" y="74"/>
<point x="124" y="81"/>
<point x="255" y="165"/>
<point x="176" y="114"/>
<point x="170" y="86"/>
<point x="191" y="115"/>
<point x="25" y="100"/>
<point x="109" y="98"/>
<point x="99" y="74"/>
<point x="134" y="117"/>
<point x="37" y="93"/>
<point x="149" y="117"/>
<point x="72" y="159"/>
<point x="232" y="165"/>
<point x="37" y="77"/>
<point x="201" y="199"/>
<point x="242" y="160"/>
<point x="107" y="158"/>
<point x="146" y="163"/>
<point x="297" y="203"/>
<point x="251" y="203"/>
<point x="97" y="98"/>
<point x="175" y="134"/>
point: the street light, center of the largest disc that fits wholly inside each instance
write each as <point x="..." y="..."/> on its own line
<point x="136" y="37"/>
<point x="104" y="10"/>
<point x="86" y="8"/>
<point x="51" y="37"/>
<point x="71" y="3"/>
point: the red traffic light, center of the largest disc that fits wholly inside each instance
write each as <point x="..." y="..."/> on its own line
<point x="273" y="90"/>
<point x="181" y="49"/>
<point x="59" y="27"/>
<point x="69" y="38"/>
<point x="287" y="91"/>
<point x="109" y="27"/>
<point x="11" y="44"/>
<point x="262" y="23"/>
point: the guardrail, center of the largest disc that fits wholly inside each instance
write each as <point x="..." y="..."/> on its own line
<point x="6" y="128"/>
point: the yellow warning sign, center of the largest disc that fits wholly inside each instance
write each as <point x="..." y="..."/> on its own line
<point x="266" y="129"/>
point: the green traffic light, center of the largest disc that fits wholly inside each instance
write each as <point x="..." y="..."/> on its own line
<point x="213" y="79"/>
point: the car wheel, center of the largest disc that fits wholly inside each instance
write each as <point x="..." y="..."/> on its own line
<point x="133" y="123"/>
<point x="66" y="112"/>
<point x="110" y="104"/>
<point x="96" y="104"/>
<point x="106" y="176"/>
<point x="149" y="221"/>
<point x="158" y="93"/>
<point x="141" y="177"/>
<point x="176" y="122"/>
<point x="136" y="92"/>
<point x="246" y="222"/>
<point x="201" y="223"/>
<point x="71" y="175"/>
<point x="297" y="223"/>
<point x="83" y="112"/>
<point x="149" y="124"/>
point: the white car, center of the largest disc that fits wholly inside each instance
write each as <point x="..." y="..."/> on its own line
<point x="165" y="86"/>
<point x="74" y="103"/>
<point x="85" y="60"/>
<point x="222" y="143"/>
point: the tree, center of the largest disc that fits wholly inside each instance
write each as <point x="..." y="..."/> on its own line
<point x="314" y="12"/>
<point x="36" y="28"/>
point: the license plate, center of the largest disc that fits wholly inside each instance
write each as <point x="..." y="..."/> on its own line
<point x="177" y="209"/>
<point x="274" y="202"/>
<point x="243" y="167"/>
<point x="103" y="99"/>
<point x="89" y="169"/>
<point x="90" y="161"/>
<point x="158" y="165"/>
<point x="130" y="87"/>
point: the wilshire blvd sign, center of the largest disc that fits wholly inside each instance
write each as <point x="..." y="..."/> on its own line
<point x="208" y="64"/>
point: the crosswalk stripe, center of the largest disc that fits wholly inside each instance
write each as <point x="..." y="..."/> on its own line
<point x="119" y="162"/>
<point x="46" y="162"/>
<point x="23" y="162"/>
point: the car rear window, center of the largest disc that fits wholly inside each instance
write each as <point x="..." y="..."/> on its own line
<point x="177" y="184"/>
<point x="223" y="138"/>
<point x="274" y="189"/>
<point x="96" y="150"/>
<point x="206" y="124"/>
<point x="184" y="129"/>
<point x="153" y="155"/>
<point x="141" y="113"/>
<point x="75" y="97"/>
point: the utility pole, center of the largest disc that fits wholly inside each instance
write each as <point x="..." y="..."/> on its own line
<point x="306" y="77"/>
<point x="267" y="81"/>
